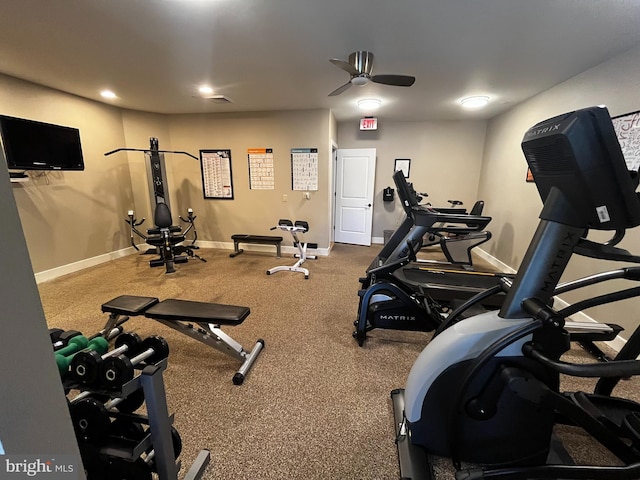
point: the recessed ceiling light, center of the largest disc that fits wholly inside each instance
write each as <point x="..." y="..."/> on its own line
<point x="474" y="102"/>
<point x="205" y="90"/>
<point x="108" y="94"/>
<point x="369" y="104"/>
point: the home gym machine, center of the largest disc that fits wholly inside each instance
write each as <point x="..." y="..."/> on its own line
<point x="486" y="390"/>
<point x="294" y="228"/>
<point x="165" y="238"/>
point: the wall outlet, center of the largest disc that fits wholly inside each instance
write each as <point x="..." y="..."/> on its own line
<point x="284" y="197"/>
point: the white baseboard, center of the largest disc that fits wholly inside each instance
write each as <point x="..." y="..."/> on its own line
<point x="379" y="240"/>
<point x="503" y="267"/>
<point x="53" y="273"/>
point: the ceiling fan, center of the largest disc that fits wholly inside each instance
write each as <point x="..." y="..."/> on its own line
<point x="360" y="66"/>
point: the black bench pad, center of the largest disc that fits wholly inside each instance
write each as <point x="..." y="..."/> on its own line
<point x="198" y="312"/>
<point x="129" y="305"/>
<point x="256" y="238"/>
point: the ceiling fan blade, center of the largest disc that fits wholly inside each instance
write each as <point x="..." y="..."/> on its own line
<point x="347" y="67"/>
<point x="397" y="80"/>
<point x="341" y="89"/>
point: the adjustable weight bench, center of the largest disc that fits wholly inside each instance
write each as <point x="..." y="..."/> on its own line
<point x="178" y="314"/>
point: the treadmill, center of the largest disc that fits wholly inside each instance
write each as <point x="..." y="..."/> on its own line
<point x="444" y="283"/>
<point x="401" y="293"/>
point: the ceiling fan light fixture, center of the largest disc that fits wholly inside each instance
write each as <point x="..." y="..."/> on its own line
<point x="473" y="103"/>
<point x="369" y="104"/>
<point x="360" y="81"/>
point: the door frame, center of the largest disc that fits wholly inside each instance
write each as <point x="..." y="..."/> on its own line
<point x="335" y="191"/>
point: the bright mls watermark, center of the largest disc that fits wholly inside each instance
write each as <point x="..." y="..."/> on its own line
<point x="54" y="467"/>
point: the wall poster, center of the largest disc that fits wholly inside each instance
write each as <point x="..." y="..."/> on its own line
<point x="304" y="169"/>
<point x="627" y="129"/>
<point x="261" y="171"/>
<point x="217" y="180"/>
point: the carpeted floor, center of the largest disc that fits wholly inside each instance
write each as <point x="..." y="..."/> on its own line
<point x="315" y="405"/>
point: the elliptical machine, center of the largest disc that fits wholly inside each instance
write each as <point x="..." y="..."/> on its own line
<point x="486" y="389"/>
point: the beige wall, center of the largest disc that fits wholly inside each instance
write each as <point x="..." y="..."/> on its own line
<point x="251" y="211"/>
<point x="446" y="158"/>
<point x="139" y="127"/>
<point x="515" y="205"/>
<point x="71" y="216"/>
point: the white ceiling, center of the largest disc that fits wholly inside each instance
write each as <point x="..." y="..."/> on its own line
<point x="274" y="54"/>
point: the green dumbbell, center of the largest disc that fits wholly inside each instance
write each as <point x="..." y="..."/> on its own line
<point x="75" y="344"/>
<point x="63" y="361"/>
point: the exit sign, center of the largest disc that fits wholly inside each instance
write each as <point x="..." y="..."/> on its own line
<point x="368" y="123"/>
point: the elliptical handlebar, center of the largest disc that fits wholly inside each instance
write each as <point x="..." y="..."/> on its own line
<point x="612" y="368"/>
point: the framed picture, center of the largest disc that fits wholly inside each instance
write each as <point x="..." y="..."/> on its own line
<point x="627" y="128"/>
<point x="403" y="164"/>
<point x="217" y="180"/>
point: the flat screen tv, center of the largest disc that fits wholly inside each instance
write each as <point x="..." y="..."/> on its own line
<point x="31" y="145"/>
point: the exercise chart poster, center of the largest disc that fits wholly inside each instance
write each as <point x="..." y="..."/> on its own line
<point x="217" y="180"/>
<point x="304" y="169"/>
<point x="627" y="129"/>
<point x="261" y="171"/>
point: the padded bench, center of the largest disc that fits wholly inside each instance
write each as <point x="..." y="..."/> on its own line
<point x="178" y="314"/>
<point x="263" y="239"/>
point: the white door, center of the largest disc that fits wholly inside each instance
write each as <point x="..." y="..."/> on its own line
<point x="355" y="178"/>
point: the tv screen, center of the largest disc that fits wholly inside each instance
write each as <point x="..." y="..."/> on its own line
<point x="31" y="145"/>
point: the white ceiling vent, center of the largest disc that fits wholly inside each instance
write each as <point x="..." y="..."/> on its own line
<point x="220" y="99"/>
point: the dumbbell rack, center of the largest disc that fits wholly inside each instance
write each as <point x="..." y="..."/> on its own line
<point x="151" y="382"/>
